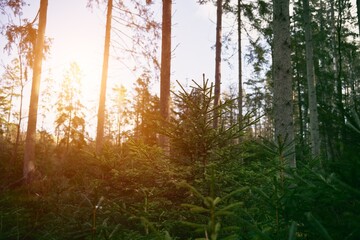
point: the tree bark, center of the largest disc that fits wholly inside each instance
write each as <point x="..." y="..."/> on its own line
<point x="283" y="95"/>
<point x="29" y="154"/>
<point x="301" y="125"/>
<point x="336" y="26"/>
<point x="314" y="123"/>
<point x="165" y="68"/>
<point x="299" y="100"/>
<point x="18" y="127"/>
<point x="240" y="93"/>
<point x="358" y="13"/>
<point x="104" y="76"/>
<point x="218" y="46"/>
<point x="339" y="82"/>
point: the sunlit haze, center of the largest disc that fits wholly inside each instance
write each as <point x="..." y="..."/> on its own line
<point x="77" y="34"/>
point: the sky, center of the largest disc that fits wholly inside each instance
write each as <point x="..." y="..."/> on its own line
<point x="78" y="32"/>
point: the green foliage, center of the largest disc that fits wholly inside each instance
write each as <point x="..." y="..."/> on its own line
<point x="146" y="109"/>
<point x="319" y="204"/>
<point x="292" y="231"/>
<point x="134" y="191"/>
<point x="355" y="123"/>
<point x="315" y="192"/>
<point x="318" y="226"/>
<point x="232" y="186"/>
<point x="194" y="140"/>
<point x="214" y="208"/>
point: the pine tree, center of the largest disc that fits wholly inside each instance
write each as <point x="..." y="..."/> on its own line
<point x="29" y="155"/>
<point x="165" y="68"/>
<point x="283" y="105"/>
<point x="314" y="123"/>
<point x="104" y="76"/>
<point x="240" y="80"/>
<point x="358" y="13"/>
<point x="145" y="112"/>
<point x="218" y="46"/>
<point x="17" y="78"/>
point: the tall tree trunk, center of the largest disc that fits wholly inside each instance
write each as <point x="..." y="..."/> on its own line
<point x="29" y="155"/>
<point x="22" y="78"/>
<point x="104" y="76"/>
<point x="68" y="132"/>
<point x="358" y="13"/>
<point x="301" y="125"/>
<point x="299" y="102"/>
<point x="333" y="43"/>
<point x="165" y="68"/>
<point x="8" y="136"/>
<point x="283" y="95"/>
<point x="240" y="94"/>
<point x="310" y="72"/>
<point x="336" y="26"/>
<point x="18" y="128"/>
<point x="218" y="45"/>
<point x="339" y="82"/>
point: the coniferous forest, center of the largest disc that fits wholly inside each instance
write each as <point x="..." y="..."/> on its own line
<point x="276" y="158"/>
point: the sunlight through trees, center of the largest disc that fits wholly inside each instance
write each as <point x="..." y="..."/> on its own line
<point x="262" y="142"/>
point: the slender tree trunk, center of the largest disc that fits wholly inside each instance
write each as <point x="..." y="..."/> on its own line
<point x="9" y="113"/>
<point x="353" y="94"/>
<point x="314" y="123"/>
<point x="301" y="125"/>
<point x="333" y="42"/>
<point x="358" y="13"/>
<point x="283" y="94"/>
<point x="300" y="104"/>
<point x="339" y="82"/>
<point x="165" y="68"/>
<point x="218" y="46"/>
<point x="240" y="94"/>
<point x="68" y="132"/>
<point x="231" y="121"/>
<point x="17" y="141"/>
<point x="298" y="78"/>
<point x="120" y="137"/>
<point x="104" y="76"/>
<point x="22" y="85"/>
<point x="336" y="25"/>
<point x="29" y="155"/>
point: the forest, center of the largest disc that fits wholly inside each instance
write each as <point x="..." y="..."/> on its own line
<point x="276" y="157"/>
